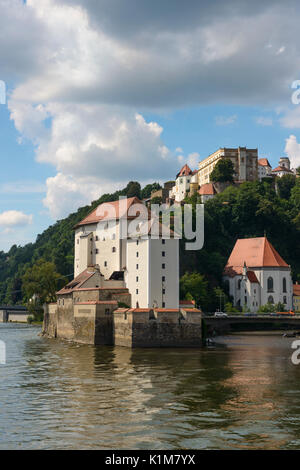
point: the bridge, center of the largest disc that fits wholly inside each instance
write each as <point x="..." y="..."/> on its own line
<point x="235" y="323"/>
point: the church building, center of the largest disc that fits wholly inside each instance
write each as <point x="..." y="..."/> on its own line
<point x="256" y="275"/>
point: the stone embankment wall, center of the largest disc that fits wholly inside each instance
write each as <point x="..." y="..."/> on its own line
<point x="136" y="328"/>
<point x="102" y="323"/>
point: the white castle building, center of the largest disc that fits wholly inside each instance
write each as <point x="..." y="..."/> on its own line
<point x="186" y="182"/>
<point x="126" y="242"/>
<point x="256" y="275"/>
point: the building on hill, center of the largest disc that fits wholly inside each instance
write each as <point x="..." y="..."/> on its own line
<point x="245" y="163"/>
<point x="164" y="192"/>
<point x="283" y="168"/>
<point x="256" y="275"/>
<point x="296" y="297"/>
<point x="186" y="184"/>
<point x="145" y="252"/>
<point x="207" y="191"/>
<point x="264" y="168"/>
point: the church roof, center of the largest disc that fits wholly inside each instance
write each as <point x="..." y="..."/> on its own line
<point x="256" y="253"/>
<point x="252" y="277"/>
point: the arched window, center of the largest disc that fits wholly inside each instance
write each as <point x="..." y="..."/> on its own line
<point x="270" y="284"/>
<point x="270" y="299"/>
<point x="284" y="284"/>
<point x="284" y="299"/>
<point x="239" y="284"/>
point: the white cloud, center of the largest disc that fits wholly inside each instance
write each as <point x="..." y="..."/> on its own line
<point x="94" y="147"/>
<point x="14" y="219"/>
<point x="264" y="121"/>
<point x="292" y="149"/>
<point x="193" y="160"/>
<point x="83" y="69"/>
<point x="225" y="120"/>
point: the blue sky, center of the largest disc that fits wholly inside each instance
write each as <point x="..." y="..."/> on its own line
<point x="100" y="94"/>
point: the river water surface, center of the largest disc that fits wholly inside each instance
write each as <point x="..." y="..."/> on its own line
<point x="242" y="394"/>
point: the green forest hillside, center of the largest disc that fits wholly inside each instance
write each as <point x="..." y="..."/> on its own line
<point x="248" y="210"/>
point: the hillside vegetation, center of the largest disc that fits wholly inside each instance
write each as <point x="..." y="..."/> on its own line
<point x="249" y="210"/>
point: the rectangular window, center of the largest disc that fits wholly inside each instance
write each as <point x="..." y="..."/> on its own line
<point x="137" y="291"/>
<point x="164" y="291"/>
<point x="114" y="249"/>
<point x="137" y="254"/>
<point x="163" y="278"/>
<point x="163" y="266"/>
<point x="163" y="305"/>
<point x="163" y="253"/>
<point x="163" y="241"/>
<point x="77" y="241"/>
<point x="137" y="266"/>
<point x="97" y="238"/>
<point x="105" y="264"/>
<point x="137" y="242"/>
<point x="137" y="278"/>
<point x="96" y="251"/>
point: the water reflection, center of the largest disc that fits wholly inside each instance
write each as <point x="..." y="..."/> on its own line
<point x="243" y="394"/>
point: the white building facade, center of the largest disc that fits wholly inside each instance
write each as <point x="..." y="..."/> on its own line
<point x="126" y="247"/>
<point x="185" y="180"/>
<point x="256" y="275"/>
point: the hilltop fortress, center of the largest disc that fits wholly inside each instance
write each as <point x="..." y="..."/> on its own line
<point x="126" y="286"/>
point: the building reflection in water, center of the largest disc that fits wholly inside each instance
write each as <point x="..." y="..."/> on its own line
<point x="243" y="394"/>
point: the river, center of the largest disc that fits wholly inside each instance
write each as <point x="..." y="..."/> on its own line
<point x="242" y="394"/>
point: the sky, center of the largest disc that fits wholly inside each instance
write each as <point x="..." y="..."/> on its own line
<point x="101" y="92"/>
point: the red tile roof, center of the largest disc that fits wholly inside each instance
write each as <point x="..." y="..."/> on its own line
<point x="255" y="252"/>
<point x="185" y="171"/>
<point x="78" y="281"/>
<point x="296" y="289"/>
<point x="252" y="277"/>
<point x="187" y="302"/>
<point x="264" y="162"/>
<point x="281" y="168"/>
<point x="207" y="190"/>
<point x="111" y="210"/>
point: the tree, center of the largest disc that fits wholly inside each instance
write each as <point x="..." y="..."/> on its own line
<point x="42" y="281"/>
<point x="230" y="309"/>
<point x="267" y="308"/>
<point x="295" y="195"/>
<point x="194" y="286"/>
<point x="133" y="189"/>
<point x="156" y="200"/>
<point x="285" y="185"/>
<point x="223" y="172"/>
<point x="148" y="189"/>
